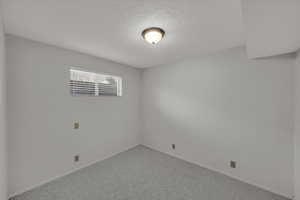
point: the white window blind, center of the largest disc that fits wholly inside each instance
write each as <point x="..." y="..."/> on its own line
<point x="94" y="84"/>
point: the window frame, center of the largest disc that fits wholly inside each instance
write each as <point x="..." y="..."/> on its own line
<point x="119" y="83"/>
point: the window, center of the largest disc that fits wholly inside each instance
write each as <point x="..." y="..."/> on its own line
<point x="94" y="84"/>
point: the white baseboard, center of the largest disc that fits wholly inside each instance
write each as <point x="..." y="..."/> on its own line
<point x="67" y="173"/>
<point x="222" y="172"/>
<point x="149" y="146"/>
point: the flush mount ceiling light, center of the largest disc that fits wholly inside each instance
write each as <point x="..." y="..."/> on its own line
<point x="153" y="35"/>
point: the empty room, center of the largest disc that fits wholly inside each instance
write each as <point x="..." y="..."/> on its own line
<point x="150" y="100"/>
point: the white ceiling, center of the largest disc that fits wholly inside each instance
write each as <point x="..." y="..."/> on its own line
<point x="111" y="28"/>
<point x="272" y="26"/>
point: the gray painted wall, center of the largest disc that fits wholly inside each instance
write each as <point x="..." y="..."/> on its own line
<point x="215" y="109"/>
<point x="41" y="112"/>
<point x="225" y="107"/>
<point x="2" y="116"/>
<point x="297" y="127"/>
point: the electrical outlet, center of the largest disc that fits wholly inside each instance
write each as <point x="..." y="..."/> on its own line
<point x="173" y="146"/>
<point x="233" y="164"/>
<point x="76" y="158"/>
<point x="76" y="125"/>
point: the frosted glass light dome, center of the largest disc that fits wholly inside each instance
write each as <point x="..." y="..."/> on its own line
<point x="153" y="35"/>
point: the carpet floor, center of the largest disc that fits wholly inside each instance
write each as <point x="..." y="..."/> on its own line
<point x="144" y="174"/>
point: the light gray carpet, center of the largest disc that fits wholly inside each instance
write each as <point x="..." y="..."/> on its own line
<point x="145" y="174"/>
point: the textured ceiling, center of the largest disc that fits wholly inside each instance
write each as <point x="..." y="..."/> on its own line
<point x="111" y="28"/>
<point x="272" y="26"/>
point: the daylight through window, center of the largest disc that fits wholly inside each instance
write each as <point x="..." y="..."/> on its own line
<point x="94" y="84"/>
